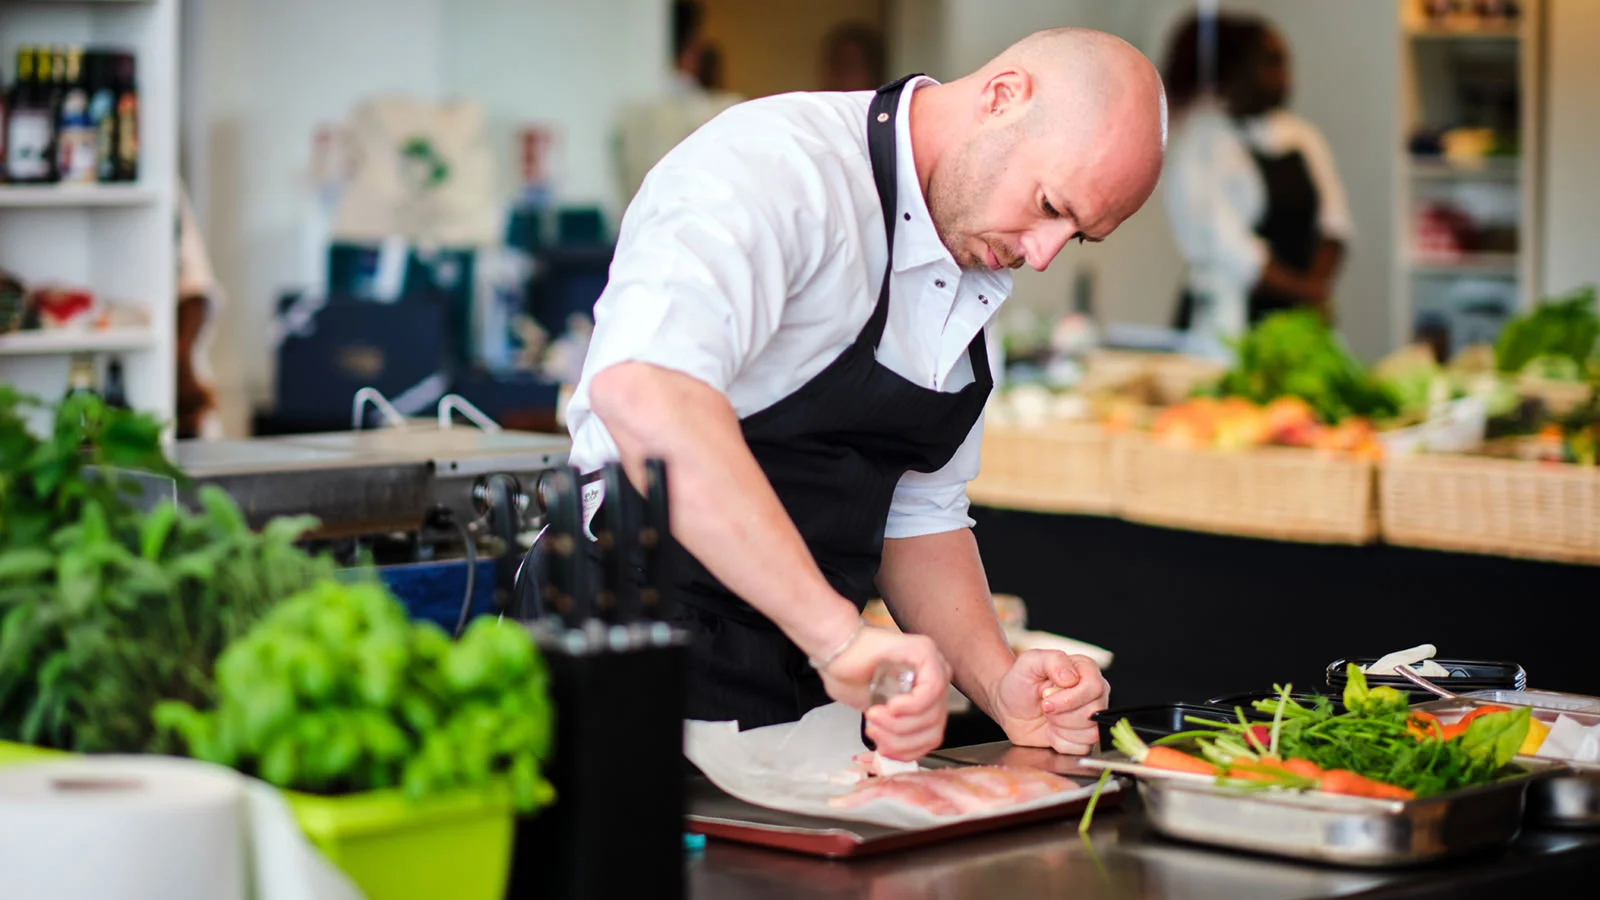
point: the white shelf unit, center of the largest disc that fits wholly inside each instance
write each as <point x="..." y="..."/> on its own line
<point x="118" y="240"/>
<point x="1443" y="67"/>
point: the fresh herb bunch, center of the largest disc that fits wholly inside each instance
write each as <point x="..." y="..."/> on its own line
<point x="104" y="611"/>
<point x="117" y="612"/>
<point x="1294" y="354"/>
<point x="1560" y="337"/>
<point x="45" y="482"/>
<point x="1378" y="738"/>
<point x="337" y="691"/>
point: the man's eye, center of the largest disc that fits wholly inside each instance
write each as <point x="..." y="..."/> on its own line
<point x="1050" y="210"/>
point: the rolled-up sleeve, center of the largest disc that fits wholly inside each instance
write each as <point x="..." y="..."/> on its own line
<point x="704" y="263"/>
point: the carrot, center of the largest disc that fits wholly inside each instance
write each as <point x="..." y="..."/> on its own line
<point x="1177" y="761"/>
<point x="1250" y="775"/>
<point x="1344" y="781"/>
<point x="1305" y="768"/>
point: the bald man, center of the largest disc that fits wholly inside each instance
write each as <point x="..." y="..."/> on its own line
<point x="795" y="323"/>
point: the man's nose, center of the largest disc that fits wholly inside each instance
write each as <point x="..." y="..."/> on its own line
<point x="1041" y="245"/>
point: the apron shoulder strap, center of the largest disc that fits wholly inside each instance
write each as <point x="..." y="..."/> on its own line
<point x="881" y="117"/>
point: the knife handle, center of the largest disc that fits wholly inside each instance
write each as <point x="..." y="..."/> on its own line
<point x="566" y="586"/>
<point x="655" y="535"/>
<point x="619" y="596"/>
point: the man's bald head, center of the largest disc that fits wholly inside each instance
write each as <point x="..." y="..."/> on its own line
<point x="1067" y="124"/>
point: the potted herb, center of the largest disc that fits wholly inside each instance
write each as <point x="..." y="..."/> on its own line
<point x="403" y="754"/>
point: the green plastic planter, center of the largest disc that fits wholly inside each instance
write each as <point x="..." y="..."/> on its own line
<point x="12" y="753"/>
<point x="455" y="845"/>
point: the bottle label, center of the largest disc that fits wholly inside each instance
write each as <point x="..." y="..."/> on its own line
<point x="76" y="155"/>
<point x="128" y="135"/>
<point x="102" y="116"/>
<point x="28" y="144"/>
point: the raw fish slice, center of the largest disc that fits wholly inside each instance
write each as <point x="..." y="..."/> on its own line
<point x="947" y="792"/>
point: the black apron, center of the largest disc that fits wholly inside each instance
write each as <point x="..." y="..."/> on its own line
<point x="833" y="451"/>
<point x="1289" y="227"/>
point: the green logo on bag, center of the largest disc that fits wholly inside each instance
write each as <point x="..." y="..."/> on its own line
<point x="424" y="167"/>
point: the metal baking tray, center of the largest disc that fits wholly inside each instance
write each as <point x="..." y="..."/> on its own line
<point x="1331" y="828"/>
<point x="716" y="814"/>
<point x="1570" y="797"/>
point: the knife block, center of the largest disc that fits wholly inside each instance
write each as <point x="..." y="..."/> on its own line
<point x="616" y="827"/>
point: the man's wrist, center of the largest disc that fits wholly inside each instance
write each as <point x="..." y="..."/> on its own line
<point x="821" y="626"/>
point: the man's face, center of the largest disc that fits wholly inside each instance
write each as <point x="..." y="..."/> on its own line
<point x="1015" y="195"/>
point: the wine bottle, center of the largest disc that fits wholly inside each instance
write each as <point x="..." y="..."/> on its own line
<point x="29" y="122"/>
<point x="127" y="155"/>
<point x="116" y="391"/>
<point x="75" y="137"/>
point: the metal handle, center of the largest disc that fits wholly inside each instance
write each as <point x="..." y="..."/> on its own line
<point x="375" y="396"/>
<point x="452" y="403"/>
<point x="1411" y="675"/>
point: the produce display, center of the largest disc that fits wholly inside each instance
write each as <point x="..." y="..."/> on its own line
<point x="1295" y="354"/>
<point x="1559" y="340"/>
<point x="1234" y="423"/>
<point x="337" y="691"/>
<point x="1377" y="748"/>
<point x="105" y="611"/>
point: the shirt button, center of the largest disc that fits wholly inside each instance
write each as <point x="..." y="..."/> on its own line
<point x="939" y="283"/>
<point x="908" y="217"/>
<point x="984" y="299"/>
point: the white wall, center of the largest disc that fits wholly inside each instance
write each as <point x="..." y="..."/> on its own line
<point x="272" y="72"/>
<point x="1571" y="189"/>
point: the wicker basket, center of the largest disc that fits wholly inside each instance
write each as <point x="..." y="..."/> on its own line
<point x="1280" y="493"/>
<point x="1062" y="467"/>
<point x="1559" y="397"/>
<point x="1504" y="507"/>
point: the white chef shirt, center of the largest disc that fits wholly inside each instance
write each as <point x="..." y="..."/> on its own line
<point x="1215" y="198"/>
<point x="751" y="258"/>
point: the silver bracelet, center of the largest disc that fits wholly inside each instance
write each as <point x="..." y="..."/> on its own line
<point x="822" y="665"/>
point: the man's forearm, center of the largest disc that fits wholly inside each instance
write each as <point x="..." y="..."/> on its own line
<point x="723" y="509"/>
<point x="935" y="585"/>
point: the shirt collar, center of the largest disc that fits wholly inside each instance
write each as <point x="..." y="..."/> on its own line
<point x="916" y="241"/>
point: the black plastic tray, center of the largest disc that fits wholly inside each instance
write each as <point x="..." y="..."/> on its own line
<point x="1465" y="675"/>
<point x="1161" y="719"/>
<point x="1229" y="701"/>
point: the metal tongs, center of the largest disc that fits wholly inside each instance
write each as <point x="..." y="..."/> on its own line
<point x="1411" y="675"/>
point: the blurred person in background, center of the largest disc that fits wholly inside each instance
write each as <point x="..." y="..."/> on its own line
<point x="646" y="131"/>
<point x="853" y="58"/>
<point x="1255" y="202"/>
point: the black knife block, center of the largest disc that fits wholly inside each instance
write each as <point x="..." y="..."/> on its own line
<point x="616" y="827"/>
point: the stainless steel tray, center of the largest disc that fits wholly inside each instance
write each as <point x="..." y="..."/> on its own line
<point x="1331" y="828"/>
<point x="1569" y="797"/>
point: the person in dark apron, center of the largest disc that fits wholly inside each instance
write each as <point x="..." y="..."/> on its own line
<point x="835" y="449"/>
<point x="1253" y="78"/>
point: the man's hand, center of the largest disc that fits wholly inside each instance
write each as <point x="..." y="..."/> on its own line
<point x="909" y="726"/>
<point x="1047" y="699"/>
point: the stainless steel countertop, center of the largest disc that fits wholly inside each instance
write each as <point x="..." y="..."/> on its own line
<point x="1123" y="859"/>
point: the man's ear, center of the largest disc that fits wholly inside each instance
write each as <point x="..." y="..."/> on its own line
<point x="1007" y="91"/>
